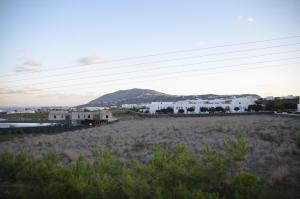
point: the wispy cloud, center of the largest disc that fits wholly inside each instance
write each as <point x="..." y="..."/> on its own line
<point x="31" y="62"/>
<point x="245" y="19"/>
<point x="21" y="69"/>
<point x="29" y="65"/>
<point x="4" y="91"/>
<point x="90" y="60"/>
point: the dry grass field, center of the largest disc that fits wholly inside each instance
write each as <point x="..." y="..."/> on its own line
<point x="272" y="152"/>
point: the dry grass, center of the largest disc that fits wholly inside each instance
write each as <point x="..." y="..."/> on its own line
<point x="270" y="140"/>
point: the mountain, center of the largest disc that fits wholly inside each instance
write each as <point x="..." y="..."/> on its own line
<point x="136" y="96"/>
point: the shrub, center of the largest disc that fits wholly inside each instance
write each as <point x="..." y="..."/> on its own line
<point x="211" y="110"/>
<point x="165" y="110"/>
<point x="170" y="173"/>
<point x="203" y="109"/>
<point x="219" y="109"/>
<point x="236" y="109"/>
<point x="246" y="186"/>
<point x="191" y="109"/>
<point x="298" y="140"/>
<point x="180" y="111"/>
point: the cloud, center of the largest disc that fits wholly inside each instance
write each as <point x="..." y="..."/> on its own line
<point x="90" y="60"/>
<point x="29" y="65"/>
<point x="4" y="91"/>
<point x="245" y="19"/>
<point x="31" y="62"/>
<point x="22" y="69"/>
<point x="250" y="19"/>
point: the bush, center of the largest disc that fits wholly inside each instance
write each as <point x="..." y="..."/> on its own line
<point x="211" y="110"/>
<point x="236" y="109"/>
<point x="220" y="109"/>
<point x="165" y="110"/>
<point x="170" y="173"/>
<point x="191" y="109"/>
<point x="255" y="107"/>
<point x="298" y="140"/>
<point x="203" y="109"/>
<point x="180" y="111"/>
<point x="247" y="186"/>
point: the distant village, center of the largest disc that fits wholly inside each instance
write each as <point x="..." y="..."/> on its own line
<point x="197" y="106"/>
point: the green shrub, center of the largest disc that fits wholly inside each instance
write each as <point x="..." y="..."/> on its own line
<point x="170" y="173"/>
<point x="180" y="111"/>
<point x="247" y="186"/>
<point x="237" y="148"/>
<point x="298" y="140"/>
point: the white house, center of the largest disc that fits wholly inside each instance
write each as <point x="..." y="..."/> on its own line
<point x="58" y="115"/>
<point x="129" y="106"/>
<point x="228" y="104"/>
<point x="77" y="116"/>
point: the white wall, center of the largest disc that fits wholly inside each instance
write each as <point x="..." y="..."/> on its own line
<point x="57" y="115"/>
<point x="242" y="103"/>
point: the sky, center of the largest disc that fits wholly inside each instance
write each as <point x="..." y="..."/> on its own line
<point x="68" y="52"/>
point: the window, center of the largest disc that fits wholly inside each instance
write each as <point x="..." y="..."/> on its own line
<point x="89" y="116"/>
<point x="54" y="116"/>
<point x="106" y="116"/>
<point x="78" y="116"/>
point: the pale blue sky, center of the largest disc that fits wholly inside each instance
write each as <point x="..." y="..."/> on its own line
<point x="45" y="35"/>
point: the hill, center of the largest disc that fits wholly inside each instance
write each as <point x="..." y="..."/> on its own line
<point x="136" y="96"/>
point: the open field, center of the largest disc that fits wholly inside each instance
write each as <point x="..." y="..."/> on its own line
<point x="272" y="151"/>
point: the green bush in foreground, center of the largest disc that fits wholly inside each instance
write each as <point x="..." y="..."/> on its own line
<point x="170" y="173"/>
<point x="298" y="140"/>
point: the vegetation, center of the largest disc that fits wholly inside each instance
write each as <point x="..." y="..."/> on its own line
<point x="211" y="110"/>
<point x="191" y="109"/>
<point x="165" y="110"/>
<point x="278" y="104"/>
<point x="180" y="111"/>
<point x="298" y="140"/>
<point x="255" y="107"/>
<point x="136" y="109"/>
<point x="170" y="173"/>
<point x="219" y="109"/>
<point x="203" y="109"/>
<point x="236" y="109"/>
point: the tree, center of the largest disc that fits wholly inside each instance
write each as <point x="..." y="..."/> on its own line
<point x="219" y="109"/>
<point x="169" y="110"/>
<point x="255" y="107"/>
<point x="236" y="109"/>
<point x="211" y="109"/>
<point x="191" y="109"/>
<point x="165" y="110"/>
<point x="180" y="111"/>
<point x="203" y="109"/>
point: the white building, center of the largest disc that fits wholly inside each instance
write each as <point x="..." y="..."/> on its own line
<point x="77" y="116"/>
<point x="58" y="115"/>
<point x="46" y="109"/>
<point x="129" y="106"/>
<point x="194" y="106"/>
